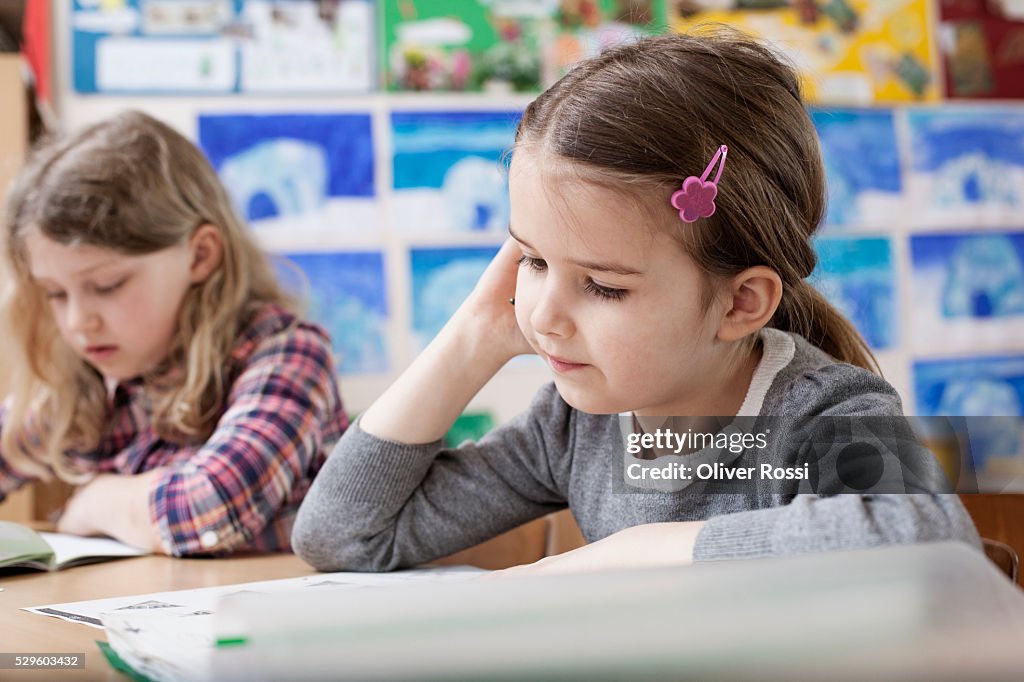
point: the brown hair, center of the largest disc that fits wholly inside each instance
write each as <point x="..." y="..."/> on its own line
<point x="645" y="116"/>
<point x="133" y="185"/>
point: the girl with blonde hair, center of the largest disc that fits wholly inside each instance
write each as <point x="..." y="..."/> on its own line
<point x="152" y="357"/>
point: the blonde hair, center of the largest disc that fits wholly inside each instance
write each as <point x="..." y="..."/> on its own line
<point x="133" y="185"/>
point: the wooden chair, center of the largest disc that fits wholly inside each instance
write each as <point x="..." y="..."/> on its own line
<point x="1000" y="521"/>
<point x="1003" y="556"/>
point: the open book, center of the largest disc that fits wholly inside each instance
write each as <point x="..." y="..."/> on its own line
<point x="22" y="547"/>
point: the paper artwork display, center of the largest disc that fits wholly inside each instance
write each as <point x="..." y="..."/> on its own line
<point x="862" y="163"/>
<point x="850" y="51"/>
<point x="441" y="280"/>
<point x="979" y="387"/>
<point x="223" y="46"/>
<point x="968" y="290"/>
<point x="967" y="166"/>
<point x="347" y="295"/>
<point x="296" y="175"/>
<point x="503" y="45"/>
<point x="858" y="276"/>
<point x="980" y="42"/>
<point x="448" y="174"/>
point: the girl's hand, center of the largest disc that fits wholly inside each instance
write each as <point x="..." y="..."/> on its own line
<point x="481" y="337"/>
<point x="114" y="505"/>
<point x="646" y="546"/>
<point x="487" y="309"/>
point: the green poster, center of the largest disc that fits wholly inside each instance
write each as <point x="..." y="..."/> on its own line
<point x="503" y="45"/>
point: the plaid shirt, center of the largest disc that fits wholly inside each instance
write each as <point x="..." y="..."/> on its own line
<point x="241" y="488"/>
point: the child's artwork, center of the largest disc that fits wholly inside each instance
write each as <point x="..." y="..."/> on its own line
<point x="858" y="277"/>
<point x="863" y="166"/>
<point x="296" y="175"/>
<point x="470" y="426"/>
<point x="441" y="281"/>
<point x="346" y="293"/>
<point x="987" y="390"/>
<point x="503" y="45"/>
<point x="968" y="290"/>
<point x="448" y="174"/>
<point x="222" y="46"/>
<point x="980" y="42"/>
<point x="967" y="166"/>
<point x="851" y="51"/>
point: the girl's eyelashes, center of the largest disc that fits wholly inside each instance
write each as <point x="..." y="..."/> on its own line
<point x="591" y="287"/>
<point x="102" y="291"/>
<point x="111" y="288"/>
<point x="533" y="263"/>
<point x="604" y="292"/>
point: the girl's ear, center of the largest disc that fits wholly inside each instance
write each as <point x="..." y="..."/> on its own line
<point x="754" y="295"/>
<point x="207" y="247"/>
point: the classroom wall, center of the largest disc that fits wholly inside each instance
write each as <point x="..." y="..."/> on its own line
<point x="511" y="390"/>
<point x="888" y="228"/>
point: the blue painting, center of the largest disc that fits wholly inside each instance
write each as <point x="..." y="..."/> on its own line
<point x="990" y="390"/>
<point x="222" y="46"/>
<point x="967" y="166"/>
<point x="448" y="170"/>
<point x="858" y="277"/>
<point x="346" y="294"/>
<point x="968" y="289"/>
<point x="862" y="164"/>
<point x="295" y="173"/>
<point x="441" y="280"/>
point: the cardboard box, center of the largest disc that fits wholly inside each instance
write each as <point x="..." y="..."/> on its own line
<point x="13" y="147"/>
<point x="13" y="119"/>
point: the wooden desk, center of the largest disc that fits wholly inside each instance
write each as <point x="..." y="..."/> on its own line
<point x="23" y="632"/>
<point x="940" y="582"/>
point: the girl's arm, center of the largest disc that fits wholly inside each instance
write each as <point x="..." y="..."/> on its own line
<point x="117" y="506"/>
<point x="482" y="336"/>
<point x="391" y="496"/>
<point x="283" y="410"/>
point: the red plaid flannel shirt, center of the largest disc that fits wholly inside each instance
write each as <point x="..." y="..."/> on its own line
<point x="241" y="489"/>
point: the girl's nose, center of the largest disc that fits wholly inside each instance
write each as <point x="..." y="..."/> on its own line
<point x="80" y="317"/>
<point x="550" y="316"/>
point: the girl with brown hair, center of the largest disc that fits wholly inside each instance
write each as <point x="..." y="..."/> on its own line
<point x="663" y="198"/>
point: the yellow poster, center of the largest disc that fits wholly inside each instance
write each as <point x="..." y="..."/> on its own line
<point x="848" y="51"/>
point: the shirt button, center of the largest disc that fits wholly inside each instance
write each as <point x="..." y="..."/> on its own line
<point x="208" y="539"/>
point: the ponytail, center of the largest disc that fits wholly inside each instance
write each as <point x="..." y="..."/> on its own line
<point x="804" y="311"/>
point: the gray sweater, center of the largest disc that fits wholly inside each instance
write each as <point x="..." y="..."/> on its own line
<point x="378" y="505"/>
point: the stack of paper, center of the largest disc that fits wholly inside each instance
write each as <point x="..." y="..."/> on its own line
<point x="892" y="612"/>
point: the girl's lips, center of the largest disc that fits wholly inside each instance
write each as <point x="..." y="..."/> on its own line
<point x="560" y="365"/>
<point x="100" y="351"/>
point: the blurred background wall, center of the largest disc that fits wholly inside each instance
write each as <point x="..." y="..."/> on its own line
<point x="362" y="140"/>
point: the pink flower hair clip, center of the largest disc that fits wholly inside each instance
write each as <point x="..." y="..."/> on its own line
<point x="697" y="197"/>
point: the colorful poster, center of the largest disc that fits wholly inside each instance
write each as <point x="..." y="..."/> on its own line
<point x="503" y="45"/>
<point x="967" y="166"/>
<point x="858" y="276"/>
<point x="222" y="46"/>
<point x="989" y="391"/>
<point x="296" y="176"/>
<point x="346" y="293"/>
<point x="981" y="45"/>
<point x="448" y="174"/>
<point x="849" y="51"/>
<point x="865" y="188"/>
<point x="968" y="290"/>
<point x="441" y="281"/>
